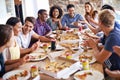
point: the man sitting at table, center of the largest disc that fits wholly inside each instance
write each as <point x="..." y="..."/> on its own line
<point x="28" y="33"/>
<point x="41" y="27"/>
<point x="71" y="19"/>
<point x="116" y="73"/>
<point x="107" y="55"/>
<point x="17" y="28"/>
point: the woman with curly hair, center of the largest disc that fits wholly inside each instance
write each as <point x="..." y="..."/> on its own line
<point x="55" y="18"/>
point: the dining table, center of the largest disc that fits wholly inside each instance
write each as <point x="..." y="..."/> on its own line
<point x="27" y="66"/>
<point x="55" y="53"/>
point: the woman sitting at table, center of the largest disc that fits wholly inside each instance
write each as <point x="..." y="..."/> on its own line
<point x="55" y="18"/>
<point x="5" y="42"/>
<point x="17" y="28"/>
<point x="91" y="15"/>
<point x="96" y="30"/>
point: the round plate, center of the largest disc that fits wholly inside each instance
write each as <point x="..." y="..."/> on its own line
<point x="12" y="73"/>
<point x="88" y="75"/>
<point x="36" y="56"/>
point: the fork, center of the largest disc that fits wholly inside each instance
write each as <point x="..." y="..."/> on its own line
<point x="108" y="64"/>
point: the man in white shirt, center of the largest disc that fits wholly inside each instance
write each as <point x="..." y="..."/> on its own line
<point x="28" y="33"/>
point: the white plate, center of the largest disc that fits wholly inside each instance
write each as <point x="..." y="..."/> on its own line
<point x="36" y="56"/>
<point x="96" y="75"/>
<point x="12" y="73"/>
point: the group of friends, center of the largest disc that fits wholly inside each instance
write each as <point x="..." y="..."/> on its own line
<point x="18" y="40"/>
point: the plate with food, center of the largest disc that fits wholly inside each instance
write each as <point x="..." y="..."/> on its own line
<point x="37" y="56"/>
<point x="17" y="75"/>
<point x="90" y="58"/>
<point x="73" y="44"/>
<point x="68" y="54"/>
<point x="57" y="66"/>
<point x="88" y="75"/>
<point x="69" y="36"/>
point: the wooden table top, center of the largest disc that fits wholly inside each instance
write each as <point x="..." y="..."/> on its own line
<point x="94" y="66"/>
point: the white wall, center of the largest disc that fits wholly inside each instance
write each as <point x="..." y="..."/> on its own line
<point x="6" y="11"/>
<point x="31" y="7"/>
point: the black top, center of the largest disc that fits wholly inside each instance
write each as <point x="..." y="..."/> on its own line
<point x="2" y="66"/>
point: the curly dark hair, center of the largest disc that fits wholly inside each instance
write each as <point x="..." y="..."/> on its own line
<point x="56" y="7"/>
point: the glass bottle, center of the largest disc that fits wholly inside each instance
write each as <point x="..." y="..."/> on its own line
<point x="53" y="45"/>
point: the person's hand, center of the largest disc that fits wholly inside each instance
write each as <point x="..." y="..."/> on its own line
<point x="67" y="28"/>
<point x="35" y="46"/>
<point x="83" y="22"/>
<point x="24" y="59"/>
<point x="114" y="74"/>
<point x="91" y="35"/>
<point x="90" y="43"/>
<point x="76" y="24"/>
<point x="116" y="49"/>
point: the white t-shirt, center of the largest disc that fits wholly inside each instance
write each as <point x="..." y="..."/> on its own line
<point x="24" y="40"/>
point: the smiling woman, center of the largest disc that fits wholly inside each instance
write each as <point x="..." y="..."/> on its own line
<point x="16" y="24"/>
<point x="55" y="18"/>
<point x="5" y="42"/>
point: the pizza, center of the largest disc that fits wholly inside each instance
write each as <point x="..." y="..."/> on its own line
<point x="90" y="58"/>
<point x="24" y="73"/>
<point x="88" y="75"/>
<point x="56" y="66"/>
